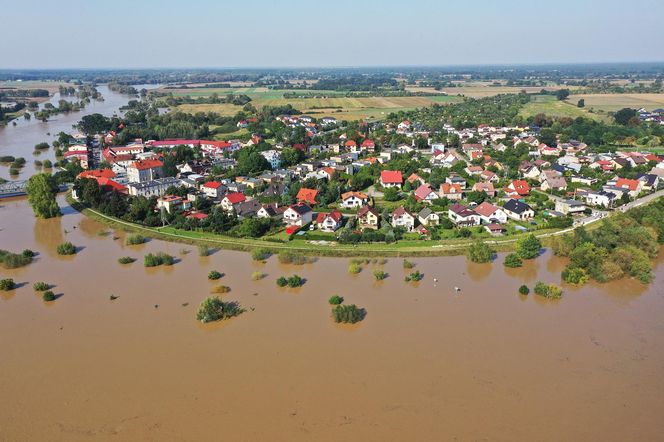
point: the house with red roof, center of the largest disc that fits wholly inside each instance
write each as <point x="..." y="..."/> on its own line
<point x="452" y="192"/>
<point x="231" y="200"/>
<point x="144" y="170"/>
<point x="351" y="146"/>
<point x="173" y="203"/>
<point x="213" y="189"/>
<point x="518" y="188"/>
<point x="109" y="185"/>
<point x="489" y="176"/>
<point x="633" y="187"/>
<point x="391" y="178"/>
<point x="97" y="173"/>
<point x="490" y="213"/>
<point x="425" y="194"/>
<point x="463" y="216"/>
<point x="308" y="196"/>
<point x="415" y="178"/>
<point x="368" y="145"/>
<point x="329" y="222"/>
<point x="486" y="188"/>
<point x="197" y="216"/>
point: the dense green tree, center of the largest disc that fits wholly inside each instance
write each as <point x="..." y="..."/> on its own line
<point x="624" y="115"/>
<point x="480" y="252"/>
<point x="42" y="189"/>
<point x="528" y="247"/>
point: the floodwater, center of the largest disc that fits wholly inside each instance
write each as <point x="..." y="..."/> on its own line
<point x="426" y="363"/>
<point x="20" y="140"/>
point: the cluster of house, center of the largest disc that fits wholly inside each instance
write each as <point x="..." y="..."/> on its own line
<point x="137" y="170"/>
<point x="656" y="115"/>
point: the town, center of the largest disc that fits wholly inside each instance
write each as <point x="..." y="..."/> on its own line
<point x="476" y="182"/>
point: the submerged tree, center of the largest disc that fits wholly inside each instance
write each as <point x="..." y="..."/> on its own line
<point x="42" y="189"/>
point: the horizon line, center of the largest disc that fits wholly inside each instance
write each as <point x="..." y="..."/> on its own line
<point x="376" y="66"/>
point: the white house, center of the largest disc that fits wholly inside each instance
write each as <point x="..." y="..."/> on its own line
<point x="350" y="200"/>
<point x="403" y="218"/>
<point x="490" y="213"/>
<point x="298" y="214"/>
<point x="273" y="157"/>
<point x="212" y="189"/>
<point x="518" y="210"/>
<point x="463" y="216"/>
<point x="329" y="222"/>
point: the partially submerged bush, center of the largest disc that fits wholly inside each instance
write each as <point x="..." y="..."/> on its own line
<point x="335" y="300"/>
<point x="214" y="275"/>
<point x="349" y="314"/>
<point x="48" y="296"/>
<point x="261" y="254"/>
<point x="291" y="281"/>
<point x="550" y="291"/>
<point x="407" y="264"/>
<point x="135" y="239"/>
<point x="414" y="276"/>
<point x="379" y="275"/>
<point x="295" y="281"/>
<point x="256" y="276"/>
<point x="294" y="258"/>
<point x="214" y="309"/>
<point x="40" y="286"/>
<point x="575" y="275"/>
<point x="11" y="260"/>
<point x="513" y="260"/>
<point x="126" y="260"/>
<point x="66" y="248"/>
<point x="354" y="268"/>
<point x="220" y="289"/>
<point x="524" y="290"/>
<point x="7" y="284"/>
<point x="161" y="258"/>
<point x="480" y="252"/>
<point x="204" y="251"/>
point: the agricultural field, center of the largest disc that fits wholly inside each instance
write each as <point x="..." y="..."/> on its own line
<point x="51" y="86"/>
<point x="615" y="102"/>
<point x="330" y="103"/>
<point x="550" y="105"/>
<point x="480" y="91"/>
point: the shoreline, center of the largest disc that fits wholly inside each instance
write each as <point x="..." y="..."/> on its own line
<point x="440" y="248"/>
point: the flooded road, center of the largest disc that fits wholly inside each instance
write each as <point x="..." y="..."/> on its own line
<point x="20" y="140"/>
<point x="426" y="363"/>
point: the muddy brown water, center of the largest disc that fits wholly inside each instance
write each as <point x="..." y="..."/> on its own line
<point x="19" y="140"/>
<point x="426" y="363"/>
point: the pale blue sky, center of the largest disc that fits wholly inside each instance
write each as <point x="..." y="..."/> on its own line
<point x="271" y="33"/>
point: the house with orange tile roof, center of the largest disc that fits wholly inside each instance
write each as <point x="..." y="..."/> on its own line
<point x="308" y="196"/>
<point x="391" y="178"/>
<point x="144" y="170"/>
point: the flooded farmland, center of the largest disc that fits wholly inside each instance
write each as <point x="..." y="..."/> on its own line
<point x="427" y="363"/>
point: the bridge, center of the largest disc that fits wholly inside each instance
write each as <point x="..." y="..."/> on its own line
<point x="13" y="188"/>
<point x="19" y="188"/>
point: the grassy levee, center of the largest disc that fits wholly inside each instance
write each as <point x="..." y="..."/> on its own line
<point x="404" y="248"/>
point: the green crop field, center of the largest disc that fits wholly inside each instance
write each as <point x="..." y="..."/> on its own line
<point x="326" y="103"/>
<point x="614" y="102"/>
<point x="551" y="106"/>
